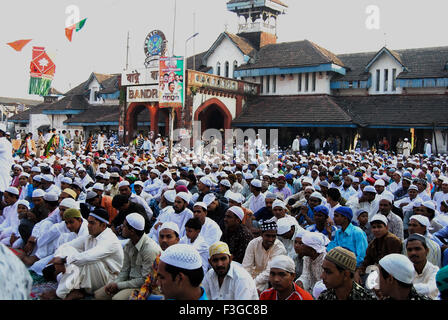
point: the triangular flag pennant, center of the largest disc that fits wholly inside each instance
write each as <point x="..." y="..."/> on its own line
<point x="80" y="24"/>
<point x="19" y="44"/>
<point x="77" y="26"/>
<point x="69" y="33"/>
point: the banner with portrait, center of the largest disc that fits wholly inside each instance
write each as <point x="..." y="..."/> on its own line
<point x="171" y="84"/>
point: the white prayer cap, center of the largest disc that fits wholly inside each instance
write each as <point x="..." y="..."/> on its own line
<point x="80" y="168"/>
<point x="201" y="204"/>
<point x="278" y="203"/>
<point x="237" y="197"/>
<point x="98" y="186"/>
<point x="206" y="181"/>
<point x="24" y="203"/>
<point x="48" y="177"/>
<point x="103" y="165"/>
<point x="284" y="225"/>
<point x="237" y="211"/>
<point x="170" y="225"/>
<point x="170" y="195"/>
<point x="209" y="198"/>
<point x="424" y="221"/>
<point x="38" y="193"/>
<point x="283" y="262"/>
<point x="24" y="174"/>
<point x="51" y="196"/>
<point x="69" y="203"/>
<point x="413" y="187"/>
<point x="155" y="171"/>
<point x="248" y="176"/>
<point x="369" y="189"/>
<point x="317" y="195"/>
<point x="136" y="221"/>
<point x="12" y="190"/>
<point x="225" y="183"/>
<point x="398" y="266"/>
<point x="429" y="204"/>
<point x="302" y="170"/>
<point x="123" y="183"/>
<point x="379" y="217"/>
<point x="35" y="169"/>
<point x="316" y="240"/>
<point x="307" y="180"/>
<point x="183" y="256"/>
<point x="184" y="196"/>
<point x="91" y="194"/>
<point x="386" y="196"/>
<point x="379" y="182"/>
<point x="66" y="180"/>
<point x="136" y="183"/>
<point x="167" y="173"/>
<point x="256" y="183"/>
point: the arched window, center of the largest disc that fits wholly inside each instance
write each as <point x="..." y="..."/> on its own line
<point x="226" y="73"/>
<point x="218" y="69"/>
<point x="235" y="65"/>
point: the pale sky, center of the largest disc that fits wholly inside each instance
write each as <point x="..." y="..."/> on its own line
<point x="338" y="26"/>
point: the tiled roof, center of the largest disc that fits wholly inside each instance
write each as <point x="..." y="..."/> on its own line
<point x="71" y="102"/>
<point x="25" y="115"/>
<point x="292" y="54"/>
<point x="316" y="109"/>
<point x="396" y="110"/>
<point x="241" y="43"/>
<point x="104" y="113"/>
<point x="17" y="101"/>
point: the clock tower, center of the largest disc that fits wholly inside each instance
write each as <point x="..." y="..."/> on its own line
<point x="258" y="19"/>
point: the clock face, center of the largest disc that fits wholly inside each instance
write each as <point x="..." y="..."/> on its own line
<point x="155" y="43"/>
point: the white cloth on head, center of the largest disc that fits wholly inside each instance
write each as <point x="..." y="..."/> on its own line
<point x="316" y="240"/>
<point x="237" y="211"/>
<point x="398" y="266"/>
<point x="182" y="256"/>
<point x="283" y="262"/>
<point x="136" y="221"/>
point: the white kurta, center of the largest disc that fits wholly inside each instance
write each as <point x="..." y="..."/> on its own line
<point x="202" y="247"/>
<point x="92" y="262"/>
<point x="237" y="285"/>
<point x="10" y="224"/>
<point x="210" y="231"/>
<point x="256" y="260"/>
<point x="425" y="283"/>
<point x="6" y="162"/>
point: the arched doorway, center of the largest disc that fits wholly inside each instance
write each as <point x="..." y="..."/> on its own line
<point x="213" y="114"/>
<point x="138" y="119"/>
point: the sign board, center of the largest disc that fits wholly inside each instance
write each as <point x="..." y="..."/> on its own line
<point x="147" y="93"/>
<point x="141" y="76"/>
<point x="171" y="84"/>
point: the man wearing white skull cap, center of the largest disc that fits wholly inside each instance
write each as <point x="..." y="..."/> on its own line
<point x="180" y="273"/>
<point x="139" y="248"/>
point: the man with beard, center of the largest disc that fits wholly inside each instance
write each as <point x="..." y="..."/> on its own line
<point x="227" y="280"/>
<point x="181" y="213"/>
<point x="236" y="234"/>
<point x="259" y="253"/>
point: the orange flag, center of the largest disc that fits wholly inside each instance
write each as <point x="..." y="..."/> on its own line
<point x="69" y="32"/>
<point x="19" y="44"/>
